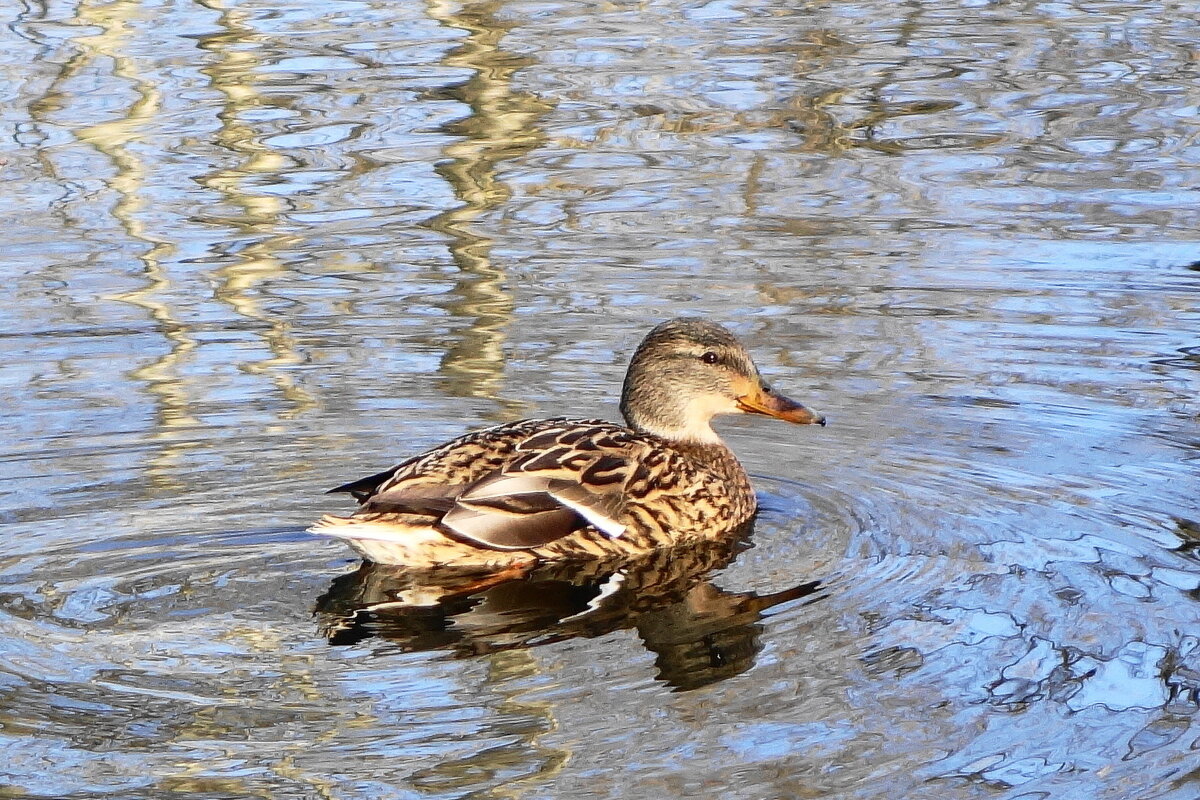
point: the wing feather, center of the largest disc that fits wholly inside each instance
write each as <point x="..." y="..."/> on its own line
<point x="428" y="499"/>
<point x="541" y="494"/>
<point x="516" y="486"/>
<point x="512" y="532"/>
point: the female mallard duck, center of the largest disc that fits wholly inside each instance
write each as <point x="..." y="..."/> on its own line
<point x="558" y="489"/>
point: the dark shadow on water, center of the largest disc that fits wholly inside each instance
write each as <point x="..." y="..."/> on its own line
<point x="699" y="633"/>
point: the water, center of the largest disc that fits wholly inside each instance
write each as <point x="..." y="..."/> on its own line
<point x="256" y="249"/>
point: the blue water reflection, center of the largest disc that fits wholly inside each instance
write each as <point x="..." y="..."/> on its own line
<point x="258" y="247"/>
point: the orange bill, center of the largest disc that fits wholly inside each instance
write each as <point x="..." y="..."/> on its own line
<point x="776" y="405"/>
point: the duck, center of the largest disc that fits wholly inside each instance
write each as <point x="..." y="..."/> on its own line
<point x="563" y="489"/>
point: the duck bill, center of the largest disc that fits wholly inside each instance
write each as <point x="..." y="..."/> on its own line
<point x="776" y="405"/>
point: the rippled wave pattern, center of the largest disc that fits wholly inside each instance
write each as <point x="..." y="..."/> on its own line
<point x="258" y="248"/>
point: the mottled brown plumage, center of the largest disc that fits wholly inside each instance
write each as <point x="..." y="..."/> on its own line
<point x="561" y="489"/>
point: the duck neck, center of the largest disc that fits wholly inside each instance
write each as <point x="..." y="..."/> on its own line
<point x="690" y="422"/>
<point x="682" y="432"/>
<point x="702" y="446"/>
<point x="718" y="458"/>
<point x="692" y="435"/>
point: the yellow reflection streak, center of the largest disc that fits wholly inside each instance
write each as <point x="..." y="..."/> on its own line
<point x="526" y="758"/>
<point x="501" y="126"/>
<point x="504" y="668"/>
<point x="233" y="76"/>
<point x="112" y="139"/>
<point x="229" y="716"/>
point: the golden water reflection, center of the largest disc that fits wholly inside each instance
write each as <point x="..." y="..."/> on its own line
<point x="1004" y="331"/>
<point x="501" y="126"/>
<point x="130" y="184"/>
<point x="256" y="263"/>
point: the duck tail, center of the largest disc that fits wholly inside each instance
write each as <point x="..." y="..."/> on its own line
<point x="332" y="525"/>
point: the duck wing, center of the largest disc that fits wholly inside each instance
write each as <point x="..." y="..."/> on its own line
<point x="515" y="511"/>
<point x="563" y="478"/>
<point x="463" y="460"/>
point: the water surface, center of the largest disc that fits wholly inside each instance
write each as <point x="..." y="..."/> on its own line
<point x="256" y="249"/>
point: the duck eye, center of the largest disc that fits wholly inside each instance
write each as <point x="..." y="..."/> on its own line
<point x="710" y="357"/>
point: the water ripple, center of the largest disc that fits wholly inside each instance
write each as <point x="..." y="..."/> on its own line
<point x="264" y="249"/>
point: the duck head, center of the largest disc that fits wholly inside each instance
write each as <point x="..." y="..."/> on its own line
<point x="686" y="371"/>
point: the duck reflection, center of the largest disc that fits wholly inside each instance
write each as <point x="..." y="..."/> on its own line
<point x="699" y="633"/>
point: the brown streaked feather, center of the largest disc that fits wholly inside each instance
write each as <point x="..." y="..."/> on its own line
<point x="522" y="494"/>
<point x="513" y="505"/>
<point x="514" y="493"/>
<point x="475" y="455"/>
<point x="559" y="488"/>
<point x="428" y="500"/>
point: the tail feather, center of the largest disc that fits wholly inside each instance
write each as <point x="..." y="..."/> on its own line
<point x="358" y="528"/>
<point x="419" y="546"/>
<point x="363" y="488"/>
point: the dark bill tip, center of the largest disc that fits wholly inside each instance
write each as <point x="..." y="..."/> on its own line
<point x="780" y="407"/>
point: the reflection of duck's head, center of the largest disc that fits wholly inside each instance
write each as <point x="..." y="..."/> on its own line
<point x="686" y="371"/>
<point x="699" y="633"/>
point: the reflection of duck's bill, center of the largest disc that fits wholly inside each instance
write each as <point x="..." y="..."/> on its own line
<point x="407" y="544"/>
